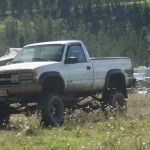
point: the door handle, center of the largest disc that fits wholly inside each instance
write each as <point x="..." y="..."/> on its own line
<point x="88" y="67"/>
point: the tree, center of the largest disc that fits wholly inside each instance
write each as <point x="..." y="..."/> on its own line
<point x="39" y="28"/>
<point x="11" y="32"/>
<point x="17" y="7"/>
<point x="3" y="44"/>
<point x="26" y="32"/>
<point x="3" y="7"/>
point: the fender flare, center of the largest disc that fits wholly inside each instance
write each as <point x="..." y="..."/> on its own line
<point x="50" y="74"/>
<point x="110" y="73"/>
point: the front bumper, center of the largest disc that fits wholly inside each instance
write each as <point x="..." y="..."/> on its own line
<point x="20" y="90"/>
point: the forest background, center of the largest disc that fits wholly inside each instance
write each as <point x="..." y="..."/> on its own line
<point x="107" y="27"/>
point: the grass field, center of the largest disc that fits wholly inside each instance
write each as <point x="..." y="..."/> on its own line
<point x="83" y="131"/>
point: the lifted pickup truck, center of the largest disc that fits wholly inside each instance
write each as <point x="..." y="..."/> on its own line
<point x="52" y="76"/>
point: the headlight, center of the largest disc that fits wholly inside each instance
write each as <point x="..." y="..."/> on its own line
<point x="27" y="77"/>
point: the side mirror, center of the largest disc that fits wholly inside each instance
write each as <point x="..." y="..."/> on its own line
<point x="71" y="60"/>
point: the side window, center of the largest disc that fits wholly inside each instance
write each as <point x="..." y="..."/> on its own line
<point x="76" y="51"/>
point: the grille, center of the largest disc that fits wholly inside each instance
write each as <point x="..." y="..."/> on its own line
<point x="9" y="79"/>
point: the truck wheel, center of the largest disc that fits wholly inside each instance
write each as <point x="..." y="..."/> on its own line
<point x="52" y="110"/>
<point x="118" y="103"/>
<point x="4" y="120"/>
<point x="114" y="102"/>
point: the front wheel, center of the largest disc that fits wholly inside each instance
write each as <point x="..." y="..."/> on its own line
<point x="114" y="102"/>
<point x="52" y="110"/>
<point x="4" y="120"/>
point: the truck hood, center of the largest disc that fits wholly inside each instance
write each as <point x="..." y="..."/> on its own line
<point x="25" y="66"/>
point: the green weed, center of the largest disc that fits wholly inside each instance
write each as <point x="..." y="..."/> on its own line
<point x="87" y="131"/>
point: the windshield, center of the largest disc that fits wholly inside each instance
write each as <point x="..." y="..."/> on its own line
<point x="51" y="52"/>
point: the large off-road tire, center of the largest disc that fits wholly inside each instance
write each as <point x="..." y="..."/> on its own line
<point x="4" y="120"/>
<point x="4" y="116"/>
<point x="114" y="102"/>
<point x="52" y="110"/>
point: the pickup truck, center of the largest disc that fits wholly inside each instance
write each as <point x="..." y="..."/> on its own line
<point x="52" y="76"/>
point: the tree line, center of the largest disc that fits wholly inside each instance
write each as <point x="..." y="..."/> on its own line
<point x="107" y="27"/>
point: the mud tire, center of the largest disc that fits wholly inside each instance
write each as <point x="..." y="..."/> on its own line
<point x="52" y="110"/>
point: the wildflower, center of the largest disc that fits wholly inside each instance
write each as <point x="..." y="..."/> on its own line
<point x="18" y="134"/>
<point x="122" y="128"/>
<point x="91" y="127"/>
<point x="68" y="144"/>
<point x="26" y="128"/>
<point x="108" y="132"/>
<point x="111" y="118"/>
<point x="143" y="143"/>
<point x="11" y="126"/>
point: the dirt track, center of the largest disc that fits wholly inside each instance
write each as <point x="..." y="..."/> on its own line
<point x="139" y="105"/>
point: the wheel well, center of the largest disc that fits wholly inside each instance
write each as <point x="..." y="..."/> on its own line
<point x="54" y="84"/>
<point x="118" y="82"/>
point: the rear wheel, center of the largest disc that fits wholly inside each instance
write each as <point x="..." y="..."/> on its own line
<point x="52" y="110"/>
<point x="114" y="102"/>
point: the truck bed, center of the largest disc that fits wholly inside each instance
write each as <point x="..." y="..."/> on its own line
<point x="104" y="58"/>
<point x="103" y="65"/>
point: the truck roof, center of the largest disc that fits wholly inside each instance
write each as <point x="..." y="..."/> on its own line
<point x="54" y="42"/>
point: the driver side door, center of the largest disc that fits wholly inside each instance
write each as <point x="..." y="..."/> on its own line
<point x="78" y="74"/>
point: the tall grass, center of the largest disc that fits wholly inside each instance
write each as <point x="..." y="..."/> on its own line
<point x="83" y="131"/>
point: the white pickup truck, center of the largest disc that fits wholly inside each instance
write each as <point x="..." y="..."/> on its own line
<point x="52" y="76"/>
